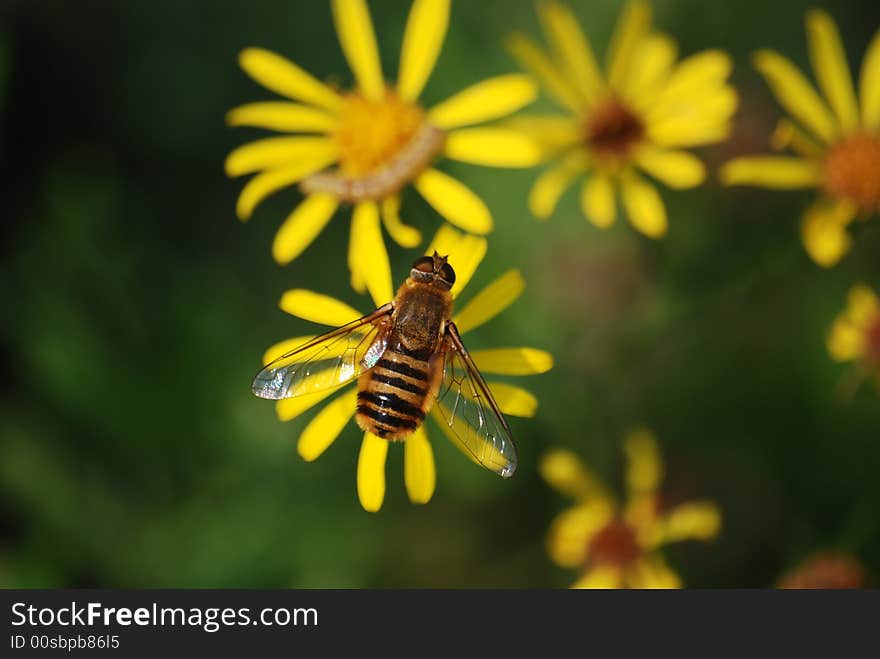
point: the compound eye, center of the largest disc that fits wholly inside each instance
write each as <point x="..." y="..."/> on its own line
<point x="424" y="264"/>
<point x="447" y="274"/>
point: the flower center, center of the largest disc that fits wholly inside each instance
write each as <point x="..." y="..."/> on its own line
<point x="612" y="130"/>
<point x="852" y="170"/>
<point x="372" y="133"/>
<point x="615" y="544"/>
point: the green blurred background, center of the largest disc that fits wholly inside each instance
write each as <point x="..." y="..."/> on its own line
<point x="136" y="308"/>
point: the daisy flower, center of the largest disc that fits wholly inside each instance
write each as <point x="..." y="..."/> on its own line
<point x="617" y="545"/>
<point x="465" y="253"/>
<point x="835" y="140"/>
<point x="855" y="335"/>
<point x="362" y="146"/>
<point x="637" y="117"/>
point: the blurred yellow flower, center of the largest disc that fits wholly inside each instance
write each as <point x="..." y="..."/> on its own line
<point x="836" y="140"/>
<point x="618" y="545"/>
<point x="855" y="335"/>
<point x="639" y="115"/>
<point x="378" y="136"/>
<point x="465" y="253"/>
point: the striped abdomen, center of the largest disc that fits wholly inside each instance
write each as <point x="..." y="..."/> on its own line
<point x="395" y="395"/>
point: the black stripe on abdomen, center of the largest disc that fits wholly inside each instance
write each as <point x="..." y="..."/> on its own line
<point x="422" y="354"/>
<point x="403" y="369"/>
<point x="398" y="383"/>
<point x="393" y="402"/>
<point x="390" y="420"/>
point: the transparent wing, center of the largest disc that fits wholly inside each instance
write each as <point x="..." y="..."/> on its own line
<point x="326" y="361"/>
<point x="468" y="413"/>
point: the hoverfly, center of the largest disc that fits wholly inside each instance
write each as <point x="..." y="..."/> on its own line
<point x="409" y="360"/>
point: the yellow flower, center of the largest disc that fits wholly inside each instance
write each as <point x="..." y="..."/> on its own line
<point x="639" y="115"/>
<point x="855" y="335"/>
<point x="835" y="140"/>
<point x="378" y="137"/>
<point x="465" y="253"/>
<point x="617" y="545"/>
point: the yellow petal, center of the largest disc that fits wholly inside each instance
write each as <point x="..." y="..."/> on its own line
<point x="371" y="472"/>
<point x="795" y="94"/>
<point x="652" y="65"/>
<point x="684" y="132"/>
<point x="869" y="84"/>
<point x="787" y="135"/>
<point x="272" y="180"/>
<point x="302" y="226"/>
<point x="317" y="308"/>
<point x="550" y="186"/>
<point x="677" y="169"/>
<point x="454" y="201"/>
<point x="418" y="467"/>
<point x="490" y="301"/>
<point x="846" y="342"/>
<point x="571" y="531"/>
<point x="862" y="306"/>
<point x="597" y="200"/>
<point x="326" y="426"/>
<point x="484" y="101"/>
<point x="465" y="253"/>
<point x="644" y="465"/>
<point x="571" y="48"/>
<point x="692" y="120"/>
<point x="494" y="147"/>
<point x="631" y="29"/>
<point x="513" y="361"/>
<point x="831" y="68"/>
<point x="534" y="60"/>
<point x="567" y="474"/>
<point x="653" y="572"/>
<point x="422" y="41"/>
<point x="514" y="401"/>
<point x="284" y="77"/>
<point x="375" y="269"/>
<point x="278" y="152"/>
<point x="290" y="408"/>
<point x="777" y="172"/>
<point x="600" y="577"/>
<point x="640" y="513"/>
<point x="554" y="133"/>
<point x="282" y="116"/>
<point x="694" y="520"/>
<point x="403" y="234"/>
<point x="643" y="206"/>
<point x="696" y="77"/>
<point x="823" y="231"/>
<point x="355" y="30"/>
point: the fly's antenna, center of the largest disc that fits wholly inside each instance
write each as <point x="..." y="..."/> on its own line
<point x="439" y="261"/>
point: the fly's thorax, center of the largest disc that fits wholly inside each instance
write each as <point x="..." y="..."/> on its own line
<point x="420" y="314"/>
